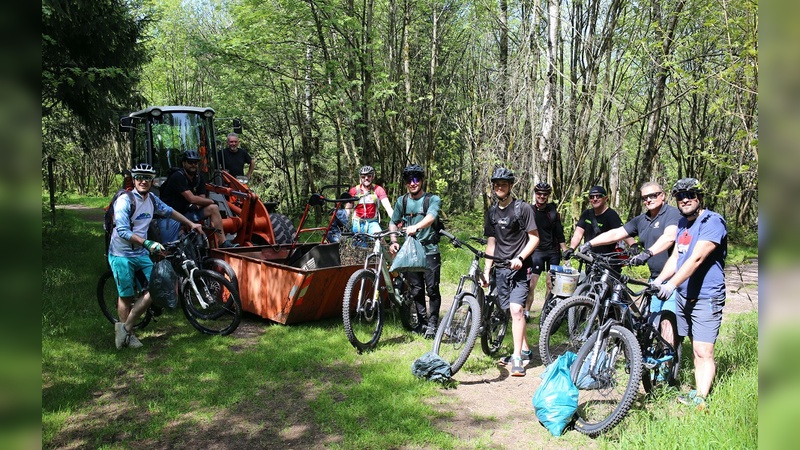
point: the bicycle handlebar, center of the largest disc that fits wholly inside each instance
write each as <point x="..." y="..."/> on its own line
<point x="457" y="243"/>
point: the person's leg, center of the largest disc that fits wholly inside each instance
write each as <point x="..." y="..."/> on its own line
<point x="169" y="228"/>
<point x="212" y="212"/>
<point x="531" y="294"/>
<point x="140" y="304"/>
<point x="704" y="366"/>
<point x="123" y="273"/>
<point x="519" y="293"/>
<point x="432" y="278"/>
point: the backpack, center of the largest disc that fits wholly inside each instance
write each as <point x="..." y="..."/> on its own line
<point x="437" y="223"/>
<point x="108" y="216"/>
<point x="517" y="214"/>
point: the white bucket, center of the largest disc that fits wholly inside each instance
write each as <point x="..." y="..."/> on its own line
<point x="565" y="283"/>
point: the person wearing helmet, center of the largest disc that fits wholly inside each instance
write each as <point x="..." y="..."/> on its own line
<point x="366" y="214"/>
<point x="234" y="158"/>
<point x="185" y="190"/>
<point x="129" y="249"/>
<point x="695" y="271"/>
<point x="512" y="235"/>
<point x="411" y="214"/>
<point x="594" y="221"/>
<point x="656" y="228"/>
<point x="551" y="241"/>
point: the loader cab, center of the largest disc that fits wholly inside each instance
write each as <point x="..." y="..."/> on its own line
<point x="160" y="134"/>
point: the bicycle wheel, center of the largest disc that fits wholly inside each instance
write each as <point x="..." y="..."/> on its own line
<point x="217" y="309"/>
<point x="107" y="296"/>
<point x="408" y="310"/>
<point x="223" y="268"/>
<point x="362" y="310"/>
<point x="494" y="327"/>
<point x="610" y="388"/>
<point x="661" y="366"/>
<point x="457" y="333"/>
<point x="566" y="327"/>
<point x="550" y="302"/>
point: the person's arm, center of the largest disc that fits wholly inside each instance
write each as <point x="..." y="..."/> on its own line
<point x="200" y="201"/>
<point x="424" y="223"/>
<point x="665" y="241"/>
<point x="576" y="238"/>
<point x="487" y="263"/>
<point x="530" y="246"/>
<point x="617" y="234"/>
<point x="387" y="206"/>
<point x="699" y="254"/>
<point x="252" y="165"/>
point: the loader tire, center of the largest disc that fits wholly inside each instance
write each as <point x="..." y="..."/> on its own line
<point x="282" y="227"/>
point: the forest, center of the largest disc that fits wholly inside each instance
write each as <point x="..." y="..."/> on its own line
<point x="572" y="92"/>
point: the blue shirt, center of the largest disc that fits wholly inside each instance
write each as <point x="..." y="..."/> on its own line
<point x="126" y="225"/>
<point x="708" y="281"/>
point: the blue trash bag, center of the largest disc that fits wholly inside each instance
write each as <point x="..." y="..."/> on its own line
<point x="556" y="399"/>
<point x="431" y="367"/>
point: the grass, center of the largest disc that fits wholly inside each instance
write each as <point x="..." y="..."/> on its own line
<point x="301" y="385"/>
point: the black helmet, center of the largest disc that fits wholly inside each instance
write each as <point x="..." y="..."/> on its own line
<point x="143" y="169"/>
<point x="687" y="185"/>
<point x="501" y="173"/>
<point x="414" y="170"/>
<point x="367" y="170"/>
<point x="190" y="155"/>
<point x="542" y="187"/>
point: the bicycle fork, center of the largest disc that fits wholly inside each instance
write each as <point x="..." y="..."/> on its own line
<point x="189" y="268"/>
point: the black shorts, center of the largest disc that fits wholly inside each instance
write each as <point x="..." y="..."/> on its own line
<point x="541" y="261"/>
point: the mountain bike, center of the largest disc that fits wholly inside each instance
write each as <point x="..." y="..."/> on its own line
<point x="625" y="349"/>
<point x="566" y="325"/>
<point x="369" y="289"/>
<point x="209" y="296"/>
<point x="473" y="313"/>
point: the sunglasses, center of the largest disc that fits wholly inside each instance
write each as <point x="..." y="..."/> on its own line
<point x="652" y="196"/>
<point x="192" y="162"/>
<point x="143" y="178"/>
<point x="685" y="195"/>
<point x="595" y="196"/>
<point x="413" y="180"/>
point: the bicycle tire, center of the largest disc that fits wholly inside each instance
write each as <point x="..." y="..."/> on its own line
<point x="657" y="349"/>
<point x="457" y="334"/>
<point x="603" y="407"/>
<point x="222" y="311"/>
<point x="362" y="314"/>
<point x="494" y="327"/>
<point x="107" y="296"/>
<point x="223" y="268"/>
<point x="565" y="328"/>
<point x="550" y="302"/>
<point x="408" y="310"/>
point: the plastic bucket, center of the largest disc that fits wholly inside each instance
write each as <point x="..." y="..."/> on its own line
<point x="564" y="284"/>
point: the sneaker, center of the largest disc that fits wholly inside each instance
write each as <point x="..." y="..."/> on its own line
<point x="526" y="357"/>
<point x="133" y="341"/>
<point x="120" y="333"/>
<point x="517" y="369"/>
<point x="692" y="399"/>
<point x="430" y="332"/>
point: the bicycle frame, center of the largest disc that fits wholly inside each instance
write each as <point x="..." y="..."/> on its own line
<point x="378" y="261"/>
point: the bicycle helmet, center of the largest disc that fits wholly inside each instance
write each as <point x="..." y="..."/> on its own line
<point x="143" y="169"/>
<point x="190" y="155"/>
<point x="542" y="187"/>
<point x="367" y="170"/>
<point x="501" y="173"/>
<point x="687" y="185"/>
<point x="414" y="170"/>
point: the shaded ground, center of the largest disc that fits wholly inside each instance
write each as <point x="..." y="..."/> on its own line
<point x="493" y="408"/>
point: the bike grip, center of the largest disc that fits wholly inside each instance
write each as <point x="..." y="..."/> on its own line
<point x="588" y="258"/>
<point x="447" y="235"/>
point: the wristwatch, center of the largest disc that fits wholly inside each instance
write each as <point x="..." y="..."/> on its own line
<point x="520" y="258"/>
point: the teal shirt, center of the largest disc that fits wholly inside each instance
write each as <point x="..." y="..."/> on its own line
<point x="413" y="216"/>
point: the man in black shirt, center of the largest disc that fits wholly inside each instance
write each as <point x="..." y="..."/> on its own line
<point x="594" y="221"/>
<point x="234" y="158"/>
<point x="551" y="240"/>
<point x="185" y="191"/>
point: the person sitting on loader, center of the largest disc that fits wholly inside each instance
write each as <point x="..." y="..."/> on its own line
<point x="185" y="190"/>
